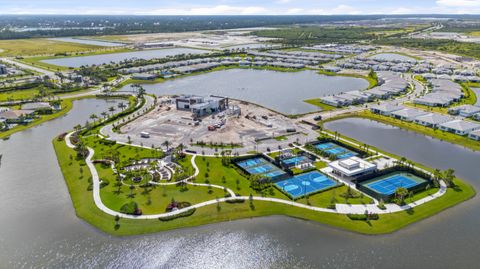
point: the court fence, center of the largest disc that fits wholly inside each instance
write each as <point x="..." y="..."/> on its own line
<point x="246" y="173"/>
<point x="321" y="140"/>
<point x="388" y="198"/>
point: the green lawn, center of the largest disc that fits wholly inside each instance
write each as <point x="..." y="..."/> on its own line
<point x="151" y="200"/>
<point x="125" y="153"/>
<point x="85" y="208"/>
<point x="18" y="94"/>
<point x="41" y="46"/>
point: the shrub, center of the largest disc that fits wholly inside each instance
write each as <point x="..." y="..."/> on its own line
<point x="180" y="215"/>
<point x="235" y="201"/>
<point x="104" y="183"/>
<point x="363" y="217"/>
<point x="131" y="208"/>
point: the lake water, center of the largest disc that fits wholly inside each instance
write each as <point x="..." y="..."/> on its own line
<point x="281" y="91"/>
<point x="117" y="57"/>
<point x="392" y="57"/>
<point x="88" y="42"/>
<point x="38" y="226"/>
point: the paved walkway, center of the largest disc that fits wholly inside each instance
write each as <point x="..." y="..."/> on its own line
<point x="340" y="208"/>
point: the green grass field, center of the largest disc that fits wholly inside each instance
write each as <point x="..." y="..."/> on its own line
<point x="86" y="209"/>
<point x="41" y="46"/>
<point x="18" y="95"/>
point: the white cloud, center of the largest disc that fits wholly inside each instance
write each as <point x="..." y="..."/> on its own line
<point x="295" y="11"/>
<point x="459" y="3"/>
<point x="345" y="9"/>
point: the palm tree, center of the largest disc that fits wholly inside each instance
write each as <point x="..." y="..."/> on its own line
<point x="104" y="114"/>
<point x="122" y="105"/>
<point x="77" y="127"/>
<point x="448" y="177"/>
<point x="111" y="109"/>
<point x="93" y="117"/>
<point x="166" y="143"/>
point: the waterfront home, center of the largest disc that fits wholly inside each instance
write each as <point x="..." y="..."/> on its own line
<point x="334" y="101"/>
<point x="459" y="127"/>
<point x="144" y="76"/>
<point x="464" y="110"/>
<point x="475" y="135"/>
<point x="408" y="114"/>
<point x="385" y="109"/>
<point x="17" y="116"/>
<point x="432" y="120"/>
<point x="433" y="100"/>
<point x="37" y="106"/>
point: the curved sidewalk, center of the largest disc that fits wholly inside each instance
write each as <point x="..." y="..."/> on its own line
<point x="340" y="208"/>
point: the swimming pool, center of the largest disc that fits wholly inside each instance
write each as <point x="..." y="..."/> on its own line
<point x="387" y="185"/>
<point x="306" y="183"/>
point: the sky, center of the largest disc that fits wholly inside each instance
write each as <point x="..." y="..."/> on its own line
<point x="236" y="7"/>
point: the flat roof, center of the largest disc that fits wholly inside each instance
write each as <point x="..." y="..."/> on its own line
<point x="350" y="168"/>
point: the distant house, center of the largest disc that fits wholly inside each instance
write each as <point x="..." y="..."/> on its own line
<point x="334" y="101"/>
<point x="144" y="76"/>
<point x="432" y="120"/>
<point x="3" y="69"/>
<point x="385" y="109"/>
<point x="464" y="110"/>
<point x="17" y="116"/>
<point x="475" y="135"/>
<point x="408" y="114"/>
<point x="38" y="106"/>
<point x="459" y="127"/>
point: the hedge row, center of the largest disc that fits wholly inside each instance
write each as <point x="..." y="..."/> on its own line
<point x="180" y="215"/>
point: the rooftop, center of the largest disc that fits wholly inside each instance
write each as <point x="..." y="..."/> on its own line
<point x="434" y="118"/>
<point x="409" y="112"/>
<point x="461" y="125"/>
<point x="352" y="166"/>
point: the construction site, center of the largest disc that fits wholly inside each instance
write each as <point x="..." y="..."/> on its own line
<point x="238" y="125"/>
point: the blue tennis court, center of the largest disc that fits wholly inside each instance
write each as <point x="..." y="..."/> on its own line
<point x="251" y="162"/>
<point x="334" y="149"/>
<point x="306" y="183"/>
<point x="347" y="155"/>
<point x="387" y="185"/>
<point x="261" y="169"/>
<point x="294" y="160"/>
<point x="260" y="166"/>
<point x="325" y="146"/>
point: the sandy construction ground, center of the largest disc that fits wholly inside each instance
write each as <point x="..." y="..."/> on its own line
<point x="254" y="124"/>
